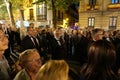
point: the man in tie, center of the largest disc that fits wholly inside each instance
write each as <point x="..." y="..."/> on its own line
<point x="58" y="45"/>
<point x="30" y="41"/>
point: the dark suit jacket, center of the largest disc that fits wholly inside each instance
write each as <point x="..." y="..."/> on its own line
<point x="80" y="49"/>
<point x="27" y="43"/>
<point x="58" y="51"/>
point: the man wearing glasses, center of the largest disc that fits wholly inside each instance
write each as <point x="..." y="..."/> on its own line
<point x="30" y="61"/>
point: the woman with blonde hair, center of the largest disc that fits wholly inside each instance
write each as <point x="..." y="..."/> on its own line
<point x="53" y="70"/>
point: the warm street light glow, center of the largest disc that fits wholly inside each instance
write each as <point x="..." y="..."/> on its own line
<point x="65" y="22"/>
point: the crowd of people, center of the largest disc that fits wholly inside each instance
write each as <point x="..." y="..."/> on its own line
<point x="59" y="54"/>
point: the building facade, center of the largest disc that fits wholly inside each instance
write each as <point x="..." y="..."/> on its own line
<point x="41" y="14"/>
<point x="103" y="14"/>
<point x="38" y="14"/>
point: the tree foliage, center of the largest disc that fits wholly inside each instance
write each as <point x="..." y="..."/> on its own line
<point x="16" y="4"/>
<point x="20" y="3"/>
<point x="3" y="10"/>
<point x="59" y="4"/>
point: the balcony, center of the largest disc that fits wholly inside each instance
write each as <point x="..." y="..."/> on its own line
<point x="114" y="6"/>
<point x="96" y="7"/>
<point x="88" y="7"/>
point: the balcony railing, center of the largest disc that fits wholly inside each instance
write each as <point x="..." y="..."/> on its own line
<point x="88" y="7"/>
<point x="114" y="6"/>
<point x="96" y="7"/>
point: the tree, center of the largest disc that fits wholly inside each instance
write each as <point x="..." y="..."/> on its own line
<point x="9" y="9"/>
<point x="20" y="5"/>
<point x="3" y="10"/>
<point x="56" y="5"/>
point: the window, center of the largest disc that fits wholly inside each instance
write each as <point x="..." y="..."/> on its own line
<point x="59" y="15"/>
<point x="41" y="11"/>
<point x="91" y="21"/>
<point x="113" y="22"/>
<point x="115" y="1"/>
<point x="92" y="3"/>
<point x="31" y="14"/>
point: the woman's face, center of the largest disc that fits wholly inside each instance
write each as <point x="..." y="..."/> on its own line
<point x="34" y="62"/>
<point x="3" y="41"/>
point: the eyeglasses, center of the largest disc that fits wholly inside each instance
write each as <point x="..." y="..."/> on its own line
<point x="100" y="34"/>
<point x="34" y="60"/>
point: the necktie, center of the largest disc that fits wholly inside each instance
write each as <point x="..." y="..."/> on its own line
<point x="59" y="42"/>
<point x="36" y="42"/>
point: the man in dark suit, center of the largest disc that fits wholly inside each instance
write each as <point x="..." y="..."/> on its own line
<point x="58" y="45"/>
<point x="80" y="44"/>
<point x="30" y="41"/>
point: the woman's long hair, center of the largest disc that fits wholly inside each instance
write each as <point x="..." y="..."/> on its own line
<point x="101" y="57"/>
